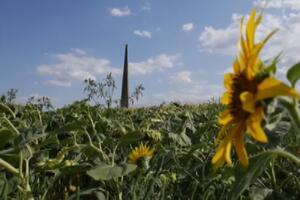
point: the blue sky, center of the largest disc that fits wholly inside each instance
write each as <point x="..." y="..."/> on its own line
<point x="177" y="49"/>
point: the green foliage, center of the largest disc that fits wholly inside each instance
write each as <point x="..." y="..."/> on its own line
<point x="97" y="92"/>
<point x="101" y="94"/>
<point x="108" y="172"/>
<point x="81" y="152"/>
<point x="42" y="103"/>
<point x="9" y="96"/>
<point x="244" y="177"/>
<point x="137" y="93"/>
<point x="293" y="74"/>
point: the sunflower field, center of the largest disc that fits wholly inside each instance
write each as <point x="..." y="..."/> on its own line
<point x="245" y="146"/>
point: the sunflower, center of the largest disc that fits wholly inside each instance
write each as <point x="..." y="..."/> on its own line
<point x="244" y="92"/>
<point x="139" y="154"/>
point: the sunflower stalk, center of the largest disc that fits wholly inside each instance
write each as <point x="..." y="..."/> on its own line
<point x="288" y="155"/>
<point x="9" y="167"/>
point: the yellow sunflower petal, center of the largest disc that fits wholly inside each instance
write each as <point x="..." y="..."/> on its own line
<point x="228" y="80"/>
<point x="259" y="19"/>
<point x="250" y="29"/>
<point x="225" y="130"/>
<point x="219" y="155"/>
<point x="139" y="152"/>
<point x="236" y="66"/>
<point x="218" y="163"/>
<point x="254" y="126"/>
<point x="225" y="117"/>
<point x="271" y="87"/>
<point x="243" y="64"/>
<point x="227" y="153"/>
<point x="240" y="147"/>
<point x="226" y="98"/>
<point x="223" y="152"/>
<point x="245" y="50"/>
<point x="248" y="101"/>
<point x="254" y="64"/>
<point x="260" y="45"/>
<point x="257" y="65"/>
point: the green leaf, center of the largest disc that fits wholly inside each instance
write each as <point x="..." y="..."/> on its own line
<point x="259" y="193"/>
<point x="90" y="193"/>
<point x="5" y="136"/>
<point x="182" y="139"/>
<point x="130" y="138"/>
<point x="245" y="177"/>
<point x="72" y="126"/>
<point x="7" y="123"/>
<point x="4" y="108"/>
<point x="107" y="172"/>
<point x="4" y="186"/>
<point x="293" y="74"/>
<point x="75" y="168"/>
<point x="270" y="68"/>
<point x="99" y="195"/>
<point x="292" y="111"/>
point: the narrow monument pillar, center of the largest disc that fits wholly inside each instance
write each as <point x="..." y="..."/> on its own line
<point x="125" y="89"/>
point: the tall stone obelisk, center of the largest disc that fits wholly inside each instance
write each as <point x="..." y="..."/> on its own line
<point x="125" y="89"/>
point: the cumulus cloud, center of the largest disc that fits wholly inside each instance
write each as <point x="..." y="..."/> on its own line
<point x="159" y="63"/>
<point x="183" y="76"/>
<point x="120" y="12"/>
<point x="197" y="92"/>
<point x="79" y="51"/>
<point x="144" y="33"/>
<point x="220" y="40"/>
<point x="286" y="40"/>
<point x="63" y="83"/>
<point x="76" y="66"/>
<point x="278" y="4"/>
<point x="70" y="67"/>
<point x="188" y="27"/>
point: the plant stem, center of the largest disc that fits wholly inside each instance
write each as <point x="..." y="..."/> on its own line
<point x="273" y="176"/>
<point x="8" y="167"/>
<point x="288" y="155"/>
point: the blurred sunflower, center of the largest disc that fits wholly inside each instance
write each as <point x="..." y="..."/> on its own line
<point x="244" y="91"/>
<point x="140" y="154"/>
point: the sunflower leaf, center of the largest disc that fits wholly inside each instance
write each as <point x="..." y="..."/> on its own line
<point x="293" y="74"/>
<point x="5" y="136"/>
<point x="107" y="172"/>
<point x="245" y="177"/>
<point x="5" y="109"/>
<point x="292" y="110"/>
<point x="130" y="138"/>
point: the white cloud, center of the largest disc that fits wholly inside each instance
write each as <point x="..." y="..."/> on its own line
<point x="197" y="92"/>
<point x="144" y="33"/>
<point x="146" y="6"/>
<point x="286" y="40"/>
<point x="70" y="67"/>
<point x="182" y="77"/>
<point x="120" y="12"/>
<point x="278" y="4"/>
<point x="63" y="83"/>
<point x="220" y="40"/>
<point x="159" y="63"/>
<point x="188" y="27"/>
<point x="79" y="51"/>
